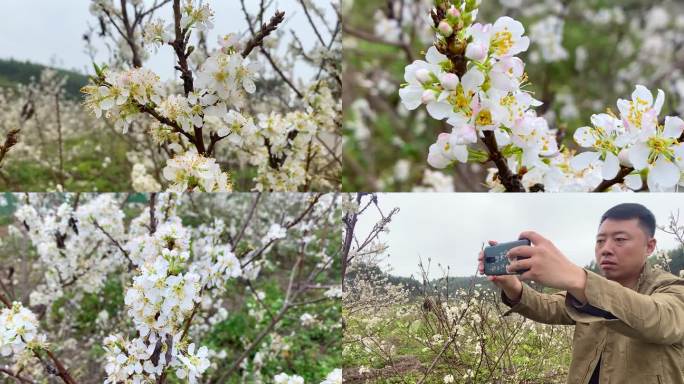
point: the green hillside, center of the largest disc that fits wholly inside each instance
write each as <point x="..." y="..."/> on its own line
<point x="14" y="72"/>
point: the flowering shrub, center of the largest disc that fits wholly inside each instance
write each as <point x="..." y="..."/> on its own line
<point x="144" y="288"/>
<point x="51" y="140"/>
<point x="474" y="82"/>
<point x="216" y="113"/>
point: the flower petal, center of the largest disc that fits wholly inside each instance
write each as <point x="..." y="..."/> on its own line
<point x="411" y="96"/>
<point x="634" y="182"/>
<point x="638" y="155"/>
<point x="439" y="110"/>
<point x="673" y="127"/>
<point x="584" y="137"/>
<point x="583" y="160"/>
<point x="433" y="56"/>
<point x="642" y="93"/>
<point x="664" y="174"/>
<point x="472" y="79"/>
<point x="611" y="166"/>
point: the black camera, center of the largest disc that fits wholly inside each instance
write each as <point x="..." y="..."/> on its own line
<point x="495" y="260"/>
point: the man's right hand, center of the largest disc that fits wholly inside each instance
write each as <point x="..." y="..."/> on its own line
<point x="511" y="286"/>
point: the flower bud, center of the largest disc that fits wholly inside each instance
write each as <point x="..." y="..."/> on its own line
<point x="475" y="51"/>
<point x="423" y="75"/>
<point x="449" y="81"/>
<point x="471" y="5"/>
<point x="623" y="156"/>
<point x="445" y="29"/>
<point x="453" y="11"/>
<point x="428" y="96"/>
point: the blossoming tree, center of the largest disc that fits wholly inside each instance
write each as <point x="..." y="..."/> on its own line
<point x="474" y="83"/>
<point x="112" y="290"/>
<point x="216" y="116"/>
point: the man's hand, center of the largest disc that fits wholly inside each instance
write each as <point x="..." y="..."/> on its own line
<point x="547" y="265"/>
<point x="511" y="286"/>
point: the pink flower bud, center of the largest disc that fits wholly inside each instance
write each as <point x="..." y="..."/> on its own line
<point x="428" y="96"/>
<point x="475" y="51"/>
<point x="449" y="81"/>
<point x="445" y="29"/>
<point x="453" y="11"/>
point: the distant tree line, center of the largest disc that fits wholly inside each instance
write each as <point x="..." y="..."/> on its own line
<point x="450" y="285"/>
<point x="13" y="72"/>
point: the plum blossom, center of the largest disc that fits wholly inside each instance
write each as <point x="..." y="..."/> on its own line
<point x="283" y="378"/>
<point x="19" y="330"/>
<point x="191" y="170"/>
<point x="193" y="364"/>
<point x="334" y="377"/>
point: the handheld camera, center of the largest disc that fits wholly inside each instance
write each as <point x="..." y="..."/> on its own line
<point x="495" y="260"/>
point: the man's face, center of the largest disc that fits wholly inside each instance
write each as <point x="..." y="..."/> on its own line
<point x="621" y="248"/>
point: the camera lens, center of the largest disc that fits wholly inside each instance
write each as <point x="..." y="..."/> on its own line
<point x="490" y="259"/>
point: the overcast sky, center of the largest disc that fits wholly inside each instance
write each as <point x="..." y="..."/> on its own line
<point x="50" y="31"/>
<point x="450" y="228"/>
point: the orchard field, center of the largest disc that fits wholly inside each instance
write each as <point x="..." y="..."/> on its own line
<point x="465" y="338"/>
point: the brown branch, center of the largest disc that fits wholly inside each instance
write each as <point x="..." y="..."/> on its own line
<point x="16" y="376"/>
<point x="180" y="47"/>
<point x="60" y="144"/>
<point x="164" y="120"/>
<point x="266" y="29"/>
<point x="509" y="180"/>
<point x="375" y="39"/>
<point x="130" y="36"/>
<point x="61" y="370"/>
<point x="153" y="220"/>
<point x="255" y="41"/>
<point x="283" y="310"/>
<point x="605" y="184"/>
<point x="249" y="218"/>
<point x="5" y="301"/>
<point x="289" y="225"/>
<point x="313" y="25"/>
<point x="10" y="141"/>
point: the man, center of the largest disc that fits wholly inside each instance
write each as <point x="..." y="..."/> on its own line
<point x="629" y="323"/>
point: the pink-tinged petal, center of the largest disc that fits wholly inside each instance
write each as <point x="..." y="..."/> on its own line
<point x="638" y="156"/>
<point x="476" y="51"/>
<point x="583" y="160"/>
<point x="584" y="137"/>
<point x="611" y="166"/>
<point x="664" y="174"/>
<point x="674" y="126"/>
<point x="463" y="134"/>
<point x="436" y="159"/>
<point x="634" y="182"/>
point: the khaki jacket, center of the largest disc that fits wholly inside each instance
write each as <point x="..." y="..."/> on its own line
<point x="639" y="335"/>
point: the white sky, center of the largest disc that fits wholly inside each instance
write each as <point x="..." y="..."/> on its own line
<point x="450" y="228"/>
<point x="50" y="31"/>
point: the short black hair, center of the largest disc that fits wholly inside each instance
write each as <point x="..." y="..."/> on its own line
<point x="628" y="211"/>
